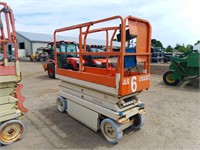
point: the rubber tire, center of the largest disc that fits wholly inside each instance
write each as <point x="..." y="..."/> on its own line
<point x="51" y="74"/>
<point x="169" y="83"/>
<point x="63" y="102"/>
<point x="139" y="124"/>
<point x="12" y="121"/>
<point x="38" y="59"/>
<point x="116" y="128"/>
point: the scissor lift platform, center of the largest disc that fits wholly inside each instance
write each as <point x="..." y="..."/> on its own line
<point x="107" y="99"/>
<point x="11" y="100"/>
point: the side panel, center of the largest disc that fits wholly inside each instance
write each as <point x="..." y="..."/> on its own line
<point x="134" y="84"/>
<point x="7" y="70"/>
<point x="143" y="40"/>
<point x="89" y="85"/>
<point x="90" y="77"/>
<point x="84" y="115"/>
<point x="8" y="109"/>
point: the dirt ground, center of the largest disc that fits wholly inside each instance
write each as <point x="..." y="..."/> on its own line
<point x="172" y="120"/>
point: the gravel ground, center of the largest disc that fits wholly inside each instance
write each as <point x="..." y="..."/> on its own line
<point x="172" y="119"/>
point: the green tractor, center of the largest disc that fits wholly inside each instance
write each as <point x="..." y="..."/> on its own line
<point x="186" y="65"/>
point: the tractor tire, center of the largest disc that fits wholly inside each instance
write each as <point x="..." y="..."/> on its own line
<point x="51" y="70"/>
<point x="168" y="80"/>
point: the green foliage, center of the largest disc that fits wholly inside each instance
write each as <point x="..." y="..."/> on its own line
<point x="183" y="48"/>
<point x="189" y="46"/>
<point x="156" y="43"/>
<point x="169" y="48"/>
<point x="197" y="42"/>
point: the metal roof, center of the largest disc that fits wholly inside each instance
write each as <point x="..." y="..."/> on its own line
<point x="46" y="38"/>
<point x="36" y="37"/>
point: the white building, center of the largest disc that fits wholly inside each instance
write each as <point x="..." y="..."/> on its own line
<point x="29" y="42"/>
<point x="197" y="47"/>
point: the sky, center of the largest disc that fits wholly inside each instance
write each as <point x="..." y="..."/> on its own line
<point x="173" y="21"/>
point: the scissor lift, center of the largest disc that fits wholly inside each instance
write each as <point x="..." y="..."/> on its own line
<point x="107" y="99"/>
<point x="11" y="100"/>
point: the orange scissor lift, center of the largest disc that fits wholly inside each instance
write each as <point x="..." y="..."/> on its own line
<point x="107" y="99"/>
<point x="11" y="100"/>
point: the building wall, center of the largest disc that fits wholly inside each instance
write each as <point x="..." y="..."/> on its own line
<point x="21" y="53"/>
<point x="11" y="51"/>
<point x="27" y="45"/>
<point x="36" y="45"/>
<point x="197" y="47"/>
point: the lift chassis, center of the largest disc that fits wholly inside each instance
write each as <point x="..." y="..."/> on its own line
<point x="11" y="100"/>
<point x="107" y="99"/>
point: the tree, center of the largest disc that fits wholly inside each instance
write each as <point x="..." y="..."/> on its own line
<point x="156" y="43"/>
<point x="169" y="48"/>
<point x="190" y="47"/>
<point x="197" y="42"/>
<point x="182" y="48"/>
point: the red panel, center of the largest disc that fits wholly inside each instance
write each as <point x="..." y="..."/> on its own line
<point x="7" y="70"/>
<point x="20" y="98"/>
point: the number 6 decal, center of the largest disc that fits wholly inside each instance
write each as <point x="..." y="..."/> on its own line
<point x="133" y="84"/>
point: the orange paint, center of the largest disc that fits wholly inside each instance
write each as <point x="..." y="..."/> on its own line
<point x="129" y="83"/>
<point x="134" y="84"/>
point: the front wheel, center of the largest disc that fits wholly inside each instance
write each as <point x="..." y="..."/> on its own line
<point x="169" y="80"/>
<point x="51" y="70"/>
<point x="61" y="104"/>
<point x="11" y="131"/>
<point x="111" y="130"/>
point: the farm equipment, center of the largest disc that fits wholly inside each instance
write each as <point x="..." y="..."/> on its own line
<point x="11" y="100"/>
<point x="71" y="61"/>
<point x="167" y="56"/>
<point x="106" y="98"/>
<point x="42" y="53"/>
<point x="66" y="60"/>
<point x="185" y="66"/>
<point x="156" y="54"/>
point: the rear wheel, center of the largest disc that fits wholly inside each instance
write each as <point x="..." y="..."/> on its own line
<point x="38" y="58"/>
<point x="51" y="70"/>
<point x="11" y="131"/>
<point x="138" y="121"/>
<point x="167" y="78"/>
